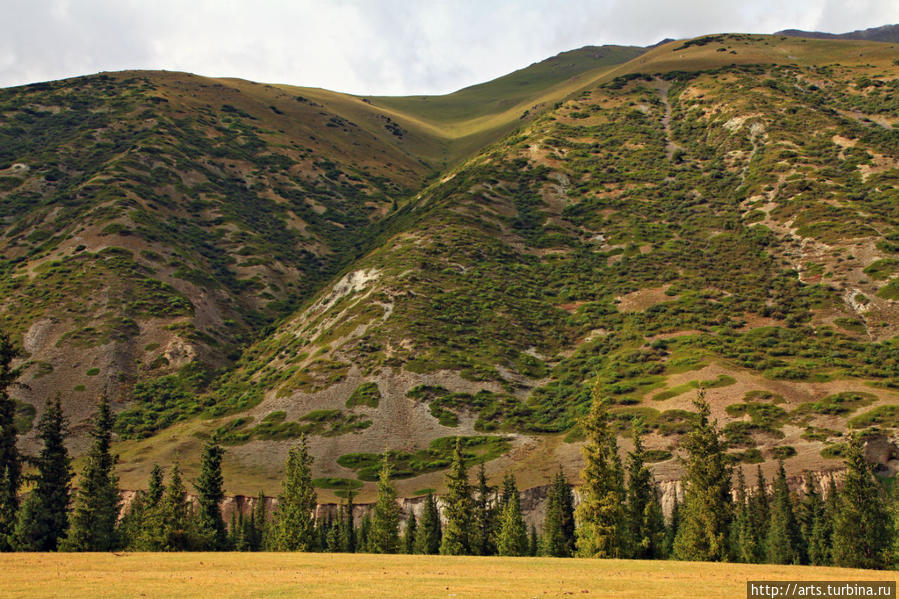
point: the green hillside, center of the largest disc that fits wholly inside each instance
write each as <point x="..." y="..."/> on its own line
<point x="716" y="212"/>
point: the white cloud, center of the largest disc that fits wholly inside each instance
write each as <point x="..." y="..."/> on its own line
<point x="371" y="46"/>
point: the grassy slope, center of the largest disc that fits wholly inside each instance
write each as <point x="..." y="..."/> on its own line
<point x="492" y="282"/>
<point x="716" y="264"/>
<point x="472" y="117"/>
<point x="326" y="576"/>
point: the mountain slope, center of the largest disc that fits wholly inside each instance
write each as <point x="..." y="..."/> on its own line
<point x="884" y="33"/>
<point x="704" y="218"/>
<point x="716" y="212"/>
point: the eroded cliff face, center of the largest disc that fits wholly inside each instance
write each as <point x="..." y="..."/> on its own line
<point x="882" y="453"/>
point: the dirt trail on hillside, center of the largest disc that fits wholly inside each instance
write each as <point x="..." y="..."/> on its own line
<point x="663" y="87"/>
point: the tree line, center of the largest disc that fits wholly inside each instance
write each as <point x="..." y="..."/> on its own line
<point x="619" y="515"/>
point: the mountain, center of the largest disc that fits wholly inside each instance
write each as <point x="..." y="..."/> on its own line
<point x="884" y="33"/>
<point x="260" y="262"/>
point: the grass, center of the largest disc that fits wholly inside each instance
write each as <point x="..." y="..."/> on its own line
<point x="327" y="576"/>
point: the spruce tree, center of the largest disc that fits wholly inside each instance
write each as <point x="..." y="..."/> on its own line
<point x="457" y="507"/>
<point x="863" y="531"/>
<point x="533" y="542"/>
<point x="295" y="525"/>
<point x="671" y="528"/>
<point x="347" y="526"/>
<point x="644" y="513"/>
<point x="483" y="519"/>
<point x="820" y="551"/>
<point x="558" y="524"/>
<point x="260" y="524"/>
<point x="602" y="519"/>
<point x="746" y="549"/>
<point x="782" y="543"/>
<point x="384" y="536"/>
<point x="364" y="530"/>
<point x="155" y="486"/>
<point x="428" y="536"/>
<point x="10" y="460"/>
<point x="760" y="515"/>
<point x="93" y="521"/>
<point x="809" y="511"/>
<point x="513" y="534"/>
<point x="706" y="514"/>
<point x="170" y="530"/>
<point x="44" y="519"/>
<point x="409" y="534"/>
<point x="211" y="534"/>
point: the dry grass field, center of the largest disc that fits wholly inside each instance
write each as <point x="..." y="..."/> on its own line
<point x="345" y="576"/>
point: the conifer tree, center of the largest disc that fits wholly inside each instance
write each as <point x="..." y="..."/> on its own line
<point x="513" y="534"/>
<point x="782" y="543"/>
<point x="558" y="525"/>
<point x="143" y="506"/>
<point x="863" y="530"/>
<point x="428" y="536"/>
<point x="364" y="530"/>
<point x="809" y="511"/>
<point x="483" y="519"/>
<point x="347" y="526"/>
<point x="170" y="529"/>
<point x="533" y="542"/>
<point x="601" y="515"/>
<point x="44" y="519"/>
<point x="332" y="540"/>
<point x="819" y="546"/>
<point x="211" y="534"/>
<point x="10" y="460"/>
<point x="760" y="515"/>
<point x="555" y="543"/>
<point x="93" y="521"/>
<point x="409" y="534"/>
<point x="457" y="507"/>
<point x="671" y="528"/>
<point x="295" y="526"/>
<point x="155" y="487"/>
<point x="645" y="519"/>
<point x="260" y="524"/>
<point x="746" y="549"/>
<point x="706" y="514"/>
<point x="384" y="536"/>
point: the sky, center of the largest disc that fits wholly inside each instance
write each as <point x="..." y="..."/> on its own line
<point x="377" y="47"/>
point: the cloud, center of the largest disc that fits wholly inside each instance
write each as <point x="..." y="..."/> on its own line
<point x="371" y="46"/>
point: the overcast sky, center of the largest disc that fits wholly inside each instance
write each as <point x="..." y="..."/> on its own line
<point x="372" y="46"/>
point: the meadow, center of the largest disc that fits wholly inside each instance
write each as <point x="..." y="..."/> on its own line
<point x="325" y="576"/>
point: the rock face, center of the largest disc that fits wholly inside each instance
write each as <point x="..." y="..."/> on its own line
<point x="881" y="452"/>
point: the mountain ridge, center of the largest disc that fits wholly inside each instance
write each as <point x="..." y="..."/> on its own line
<point x="684" y="218"/>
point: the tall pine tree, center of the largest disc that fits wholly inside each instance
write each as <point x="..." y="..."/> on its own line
<point x="810" y="511"/>
<point x="44" y="518"/>
<point x="429" y="534"/>
<point x="706" y="513"/>
<point x="820" y="549"/>
<point x="782" y="545"/>
<point x="558" y="525"/>
<point x="10" y="460"/>
<point x="483" y="518"/>
<point x="645" y="519"/>
<point x="384" y="536"/>
<point x="457" y="507"/>
<point x="513" y="534"/>
<point x="93" y="521"/>
<point x="746" y="548"/>
<point x="209" y="525"/>
<point x="602" y="519"/>
<point x="863" y="531"/>
<point x="295" y="526"/>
